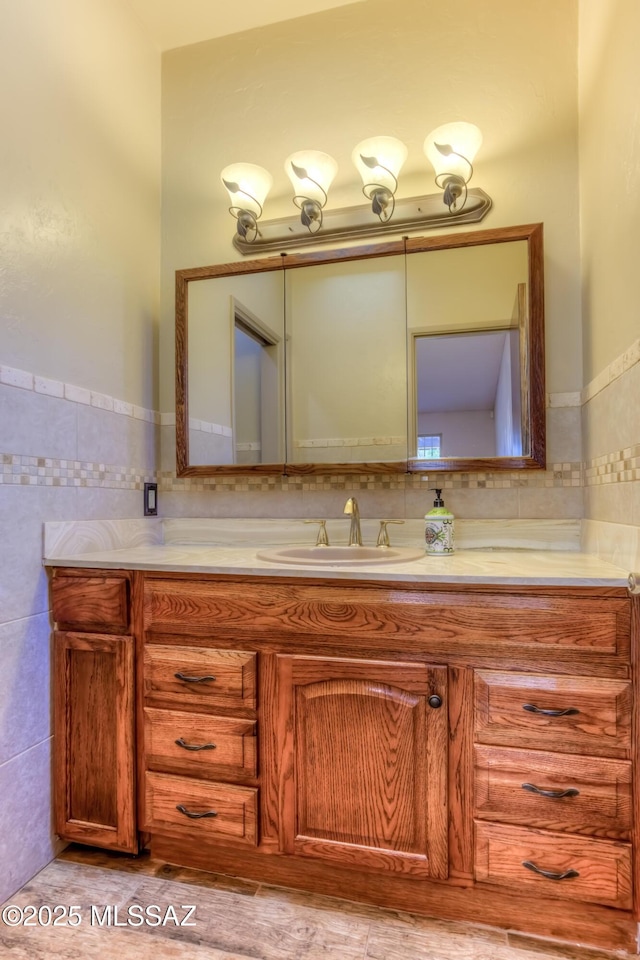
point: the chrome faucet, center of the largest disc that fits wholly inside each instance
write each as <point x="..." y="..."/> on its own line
<point x="351" y="509"/>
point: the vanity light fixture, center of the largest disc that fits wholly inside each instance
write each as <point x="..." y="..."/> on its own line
<point x="247" y="185"/>
<point x="378" y="160"/>
<point x="451" y="150"/>
<point x="311" y="173"/>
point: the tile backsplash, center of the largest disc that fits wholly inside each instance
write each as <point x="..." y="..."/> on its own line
<point x="593" y="460"/>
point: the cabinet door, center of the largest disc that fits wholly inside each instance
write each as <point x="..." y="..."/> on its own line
<point x="363" y="763"/>
<point x="94" y="782"/>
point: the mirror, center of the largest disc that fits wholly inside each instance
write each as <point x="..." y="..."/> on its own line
<point x="416" y="355"/>
<point x="347" y="362"/>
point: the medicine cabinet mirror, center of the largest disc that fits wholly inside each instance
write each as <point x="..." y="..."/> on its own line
<point x="416" y="355"/>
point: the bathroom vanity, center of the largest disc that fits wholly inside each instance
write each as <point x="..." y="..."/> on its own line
<point x="462" y="748"/>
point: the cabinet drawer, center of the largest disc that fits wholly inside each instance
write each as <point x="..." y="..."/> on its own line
<point x="198" y="675"/>
<point x="219" y="746"/>
<point x="201" y="808"/>
<point x="562" y="714"/>
<point x="91" y="603"/>
<point x="599" y="870"/>
<point x="446" y="621"/>
<point x="587" y="795"/>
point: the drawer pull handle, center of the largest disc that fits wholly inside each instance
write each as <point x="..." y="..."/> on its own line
<point x="567" y="875"/>
<point x="568" y="712"/>
<point x="552" y="794"/>
<point x="194" y="746"/>
<point x="195" y="816"/>
<point x="182" y="676"/>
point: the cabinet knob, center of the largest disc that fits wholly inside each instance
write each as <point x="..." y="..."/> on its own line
<point x="435" y="701"/>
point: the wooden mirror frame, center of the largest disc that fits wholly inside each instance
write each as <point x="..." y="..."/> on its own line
<point x="535" y="425"/>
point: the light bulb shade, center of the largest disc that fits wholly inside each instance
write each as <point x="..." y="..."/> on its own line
<point x="311" y="173"/>
<point x="378" y="160"/>
<point x="247" y="185"/>
<point x="451" y="150"/>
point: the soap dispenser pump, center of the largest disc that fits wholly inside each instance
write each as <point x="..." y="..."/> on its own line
<point x="438" y="530"/>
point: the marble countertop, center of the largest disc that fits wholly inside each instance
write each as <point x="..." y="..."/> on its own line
<point x="536" y="555"/>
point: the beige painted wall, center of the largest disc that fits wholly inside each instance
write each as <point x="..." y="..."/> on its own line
<point x="610" y="239"/>
<point x="80" y="178"/>
<point x="329" y="80"/>
<point x="609" y="178"/>
<point x="79" y="289"/>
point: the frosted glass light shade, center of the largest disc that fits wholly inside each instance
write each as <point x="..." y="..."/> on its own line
<point x="311" y="173"/>
<point x="379" y="160"/>
<point x="460" y="138"/>
<point x="247" y="185"/>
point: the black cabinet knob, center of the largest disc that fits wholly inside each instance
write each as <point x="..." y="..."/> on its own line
<point x="435" y="701"/>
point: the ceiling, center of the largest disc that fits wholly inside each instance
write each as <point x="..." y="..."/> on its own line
<point x="176" y="23"/>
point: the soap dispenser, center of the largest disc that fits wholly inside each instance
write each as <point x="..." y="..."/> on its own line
<point x="438" y="529"/>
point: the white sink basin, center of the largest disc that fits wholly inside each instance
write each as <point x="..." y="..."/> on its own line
<point x="340" y="556"/>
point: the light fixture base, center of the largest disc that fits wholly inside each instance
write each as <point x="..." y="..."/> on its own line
<point x="351" y="223"/>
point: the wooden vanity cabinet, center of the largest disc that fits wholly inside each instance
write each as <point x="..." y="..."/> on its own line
<point x="364" y="747"/>
<point x="461" y="751"/>
<point x="93" y="677"/>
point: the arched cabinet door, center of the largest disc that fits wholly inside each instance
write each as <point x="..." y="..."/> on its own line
<point x="363" y="763"/>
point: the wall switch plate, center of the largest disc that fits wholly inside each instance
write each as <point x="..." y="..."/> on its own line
<point x="150" y="499"/>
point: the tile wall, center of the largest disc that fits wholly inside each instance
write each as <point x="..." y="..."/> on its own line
<point x="60" y="459"/>
<point x="553" y="493"/>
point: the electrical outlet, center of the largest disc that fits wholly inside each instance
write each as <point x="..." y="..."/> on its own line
<point x="150" y="499"/>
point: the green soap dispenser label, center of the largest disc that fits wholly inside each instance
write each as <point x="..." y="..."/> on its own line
<point x="438" y="534"/>
<point x="438" y="530"/>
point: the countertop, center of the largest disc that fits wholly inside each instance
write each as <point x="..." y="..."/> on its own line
<point x="507" y="552"/>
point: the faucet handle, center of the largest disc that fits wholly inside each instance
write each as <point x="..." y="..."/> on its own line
<point x="323" y="537"/>
<point x="383" y="535"/>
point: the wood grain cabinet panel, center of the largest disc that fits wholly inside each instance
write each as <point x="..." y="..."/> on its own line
<point x="388" y="753"/>
<point x="364" y="763"/>
<point x="555" y="791"/>
<point x="212" y="746"/>
<point x="91" y="603"/>
<point x="94" y="783"/>
<point x="581" y="715"/>
<point x="201" y="676"/>
<point x="201" y="809"/>
<point x="448" y="622"/>
<point x="555" y="865"/>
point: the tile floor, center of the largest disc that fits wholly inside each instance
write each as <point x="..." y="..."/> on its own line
<point x="233" y="920"/>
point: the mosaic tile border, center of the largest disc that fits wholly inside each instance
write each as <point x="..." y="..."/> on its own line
<point x="558" y="475"/>
<point x="50" y="472"/>
<point x="623" y="466"/>
<point x="16" y="469"/>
